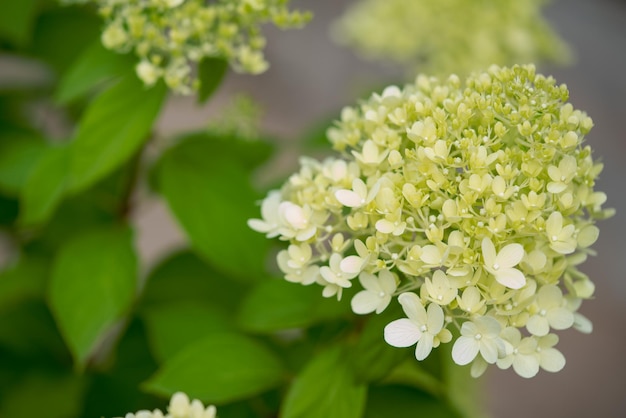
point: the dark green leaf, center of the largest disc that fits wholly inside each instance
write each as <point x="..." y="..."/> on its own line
<point x="92" y="286"/>
<point x="44" y="394"/>
<point x="208" y="190"/>
<point x="186" y="278"/>
<point x="61" y="34"/>
<point x="461" y="388"/>
<point x="18" y="156"/>
<point x="325" y="388"/>
<point x="211" y="72"/>
<point x="373" y="358"/>
<point x="24" y="280"/>
<point x="220" y="369"/>
<point x="277" y="304"/>
<point x="45" y="186"/>
<point x="173" y="327"/>
<point x="114" y="127"/>
<point x="16" y="20"/>
<point x="405" y="402"/>
<point x="92" y="68"/>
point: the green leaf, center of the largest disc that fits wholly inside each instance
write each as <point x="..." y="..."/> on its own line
<point x="461" y="389"/>
<point x="114" y="127"/>
<point x="173" y="327"/>
<point x="16" y="20"/>
<point x="207" y="188"/>
<point x="93" y="284"/>
<point x="211" y="72"/>
<point x="277" y="304"/>
<point x="18" y="156"/>
<point x="24" y="280"/>
<point x="373" y="358"/>
<point x="44" y="187"/>
<point x="186" y="278"/>
<point x="44" y="394"/>
<point x="326" y="388"/>
<point x="93" y="67"/>
<point x="219" y="369"/>
<point x="61" y="34"/>
<point x="405" y="402"/>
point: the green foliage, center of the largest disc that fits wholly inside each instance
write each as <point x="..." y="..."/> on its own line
<point x="45" y="186"/>
<point x="211" y="72"/>
<point x="277" y="304"/>
<point x="219" y="369"/>
<point x="93" y="283"/>
<point x="16" y="20"/>
<point x="196" y="174"/>
<point x="93" y="67"/>
<point x="18" y="155"/>
<point x="405" y="402"/>
<point x="326" y="388"/>
<point x="113" y="128"/>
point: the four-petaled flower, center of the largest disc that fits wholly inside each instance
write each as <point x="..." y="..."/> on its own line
<point x="482" y="335"/>
<point x="423" y="326"/>
<point x="377" y="294"/>
<point x="501" y="264"/>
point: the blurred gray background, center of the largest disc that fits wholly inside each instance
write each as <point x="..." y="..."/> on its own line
<point x="311" y="78"/>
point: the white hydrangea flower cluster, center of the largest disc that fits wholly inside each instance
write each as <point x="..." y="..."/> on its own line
<point x="472" y="202"/>
<point x="169" y="35"/>
<point x="444" y="36"/>
<point x="179" y="407"/>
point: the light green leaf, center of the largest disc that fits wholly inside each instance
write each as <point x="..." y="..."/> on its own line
<point x="93" y="284"/>
<point x="211" y="72"/>
<point x="93" y="67"/>
<point x="277" y="304"/>
<point x="405" y="402"/>
<point x="219" y="369"/>
<point x="16" y="20"/>
<point x="208" y="190"/>
<point x="18" y="155"/>
<point x="326" y="388"/>
<point x="45" y="186"/>
<point x="174" y="326"/>
<point x="114" y="127"/>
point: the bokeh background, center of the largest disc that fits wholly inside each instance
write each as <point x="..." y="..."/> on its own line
<point x="311" y="79"/>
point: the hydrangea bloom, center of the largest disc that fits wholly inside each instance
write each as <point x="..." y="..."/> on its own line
<point x="447" y="185"/>
<point x="450" y="35"/>
<point x="169" y="35"/>
<point x="179" y="407"/>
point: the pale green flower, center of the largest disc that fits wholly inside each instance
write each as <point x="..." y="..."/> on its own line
<point x="423" y="326"/>
<point x="377" y="292"/>
<point x="481" y="335"/>
<point x="451" y="35"/>
<point x="447" y="186"/>
<point x="170" y="36"/>
<point x="180" y="407"/>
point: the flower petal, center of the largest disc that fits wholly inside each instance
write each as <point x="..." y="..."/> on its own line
<point x="424" y="346"/>
<point x="365" y="302"/>
<point x="551" y="360"/>
<point x="489" y="252"/>
<point x="435" y="319"/>
<point x="413" y="308"/>
<point x="510" y="255"/>
<point x="560" y="318"/>
<point x="464" y="350"/>
<point x="511" y="278"/>
<point x="349" y="198"/>
<point x="526" y="365"/>
<point x="402" y="333"/>
<point x="538" y="325"/>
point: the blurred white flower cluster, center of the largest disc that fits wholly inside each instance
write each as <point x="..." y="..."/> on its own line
<point x="169" y="35"/>
<point x="473" y="201"/>
<point x="179" y="407"/>
<point x="444" y="36"/>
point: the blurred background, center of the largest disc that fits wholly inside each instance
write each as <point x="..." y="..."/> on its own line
<point x="311" y="79"/>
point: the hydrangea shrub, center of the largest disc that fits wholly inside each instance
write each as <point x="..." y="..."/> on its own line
<point x="450" y="36"/>
<point x="471" y="201"/>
